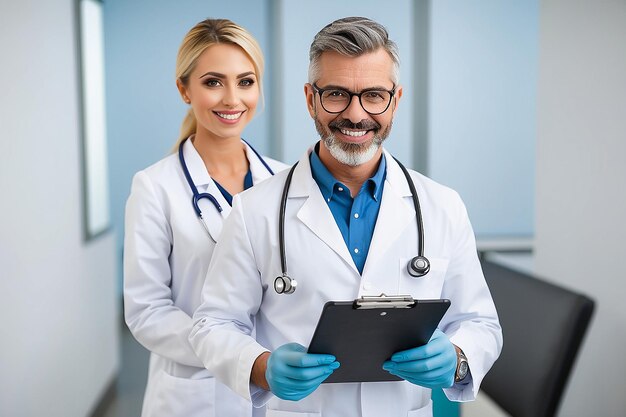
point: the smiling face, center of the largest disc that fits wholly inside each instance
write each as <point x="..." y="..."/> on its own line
<point x="353" y="137"/>
<point x="223" y="91"/>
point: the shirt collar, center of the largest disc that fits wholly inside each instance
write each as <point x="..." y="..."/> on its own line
<point x="378" y="179"/>
<point x="327" y="182"/>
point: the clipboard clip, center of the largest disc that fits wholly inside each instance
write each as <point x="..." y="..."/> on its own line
<point x="384" y="301"/>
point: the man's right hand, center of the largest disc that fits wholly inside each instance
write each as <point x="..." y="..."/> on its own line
<point x="292" y="374"/>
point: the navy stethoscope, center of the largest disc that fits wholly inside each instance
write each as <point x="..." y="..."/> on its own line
<point x="418" y="266"/>
<point x="198" y="196"/>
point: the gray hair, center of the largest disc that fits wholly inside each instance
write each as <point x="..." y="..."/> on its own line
<point x="352" y="36"/>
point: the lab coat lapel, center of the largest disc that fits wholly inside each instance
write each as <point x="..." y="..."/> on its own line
<point x="257" y="168"/>
<point x="315" y="213"/>
<point x="395" y="213"/>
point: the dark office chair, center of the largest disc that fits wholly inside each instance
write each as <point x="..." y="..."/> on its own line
<point x="543" y="326"/>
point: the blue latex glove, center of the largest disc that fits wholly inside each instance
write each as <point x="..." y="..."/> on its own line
<point x="432" y="365"/>
<point x="292" y="374"/>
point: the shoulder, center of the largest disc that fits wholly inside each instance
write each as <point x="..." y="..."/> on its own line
<point x="435" y="190"/>
<point x="267" y="190"/>
<point x="158" y="176"/>
<point x="262" y="200"/>
<point x="162" y="168"/>
<point x="433" y="196"/>
<point x="275" y="164"/>
<point x="439" y="201"/>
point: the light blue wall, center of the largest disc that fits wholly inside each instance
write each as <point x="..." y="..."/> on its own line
<point x="144" y="109"/>
<point x="483" y="76"/>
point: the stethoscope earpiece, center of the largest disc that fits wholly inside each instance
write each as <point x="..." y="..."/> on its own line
<point x="285" y="285"/>
<point x="418" y="266"/>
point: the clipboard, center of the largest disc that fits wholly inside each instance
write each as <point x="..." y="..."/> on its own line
<point x="364" y="333"/>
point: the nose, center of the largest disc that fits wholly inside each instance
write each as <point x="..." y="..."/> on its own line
<point x="230" y="97"/>
<point x="355" y="112"/>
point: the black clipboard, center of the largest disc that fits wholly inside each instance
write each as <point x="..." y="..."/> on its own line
<point x="364" y="333"/>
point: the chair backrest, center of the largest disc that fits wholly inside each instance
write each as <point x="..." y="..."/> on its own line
<point x="543" y="326"/>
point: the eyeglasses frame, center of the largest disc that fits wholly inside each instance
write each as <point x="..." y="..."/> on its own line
<point x="320" y="91"/>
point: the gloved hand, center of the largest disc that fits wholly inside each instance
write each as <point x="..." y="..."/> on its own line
<point x="432" y="365"/>
<point x="292" y="374"/>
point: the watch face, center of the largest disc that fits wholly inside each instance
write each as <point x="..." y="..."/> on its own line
<point x="462" y="370"/>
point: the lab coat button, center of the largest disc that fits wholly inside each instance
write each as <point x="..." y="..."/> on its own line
<point x="367" y="286"/>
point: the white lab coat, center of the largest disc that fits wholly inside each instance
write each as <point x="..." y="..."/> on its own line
<point x="239" y="291"/>
<point x="166" y="256"/>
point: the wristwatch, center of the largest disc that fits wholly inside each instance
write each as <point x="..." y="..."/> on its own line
<point x="462" y="367"/>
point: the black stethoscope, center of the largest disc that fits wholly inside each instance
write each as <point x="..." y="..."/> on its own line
<point x="417" y="267"/>
<point x="198" y="196"/>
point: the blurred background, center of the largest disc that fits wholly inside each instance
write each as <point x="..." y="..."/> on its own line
<point x="518" y="105"/>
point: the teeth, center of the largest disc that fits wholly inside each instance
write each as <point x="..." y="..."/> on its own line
<point x="354" y="133"/>
<point x="230" y="116"/>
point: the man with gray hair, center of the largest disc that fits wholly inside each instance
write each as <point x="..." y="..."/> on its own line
<point x="344" y="220"/>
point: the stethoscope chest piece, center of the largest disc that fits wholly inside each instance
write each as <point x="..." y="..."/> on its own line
<point x="418" y="266"/>
<point x="285" y="285"/>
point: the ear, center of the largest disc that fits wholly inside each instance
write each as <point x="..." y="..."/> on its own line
<point x="183" y="91"/>
<point x="309" y="93"/>
<point x="396" y="98"/>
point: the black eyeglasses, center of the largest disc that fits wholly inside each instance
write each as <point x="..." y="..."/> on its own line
<point x="374" y="101"/>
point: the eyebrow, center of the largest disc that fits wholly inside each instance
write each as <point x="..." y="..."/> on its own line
<point x="339" y="87"/>
<point x="219" y="75"/>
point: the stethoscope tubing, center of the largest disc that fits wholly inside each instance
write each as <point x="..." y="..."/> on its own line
<point x="418" y="209"/>
<point x="281" y="220"/>
<point x="258" y="155"/>
<point x="196" y="197"/>
<point x="417" y="267"/>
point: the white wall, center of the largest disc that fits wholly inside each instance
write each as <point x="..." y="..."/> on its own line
<point x="59" y="309"/>
<point x="581" y="185"/>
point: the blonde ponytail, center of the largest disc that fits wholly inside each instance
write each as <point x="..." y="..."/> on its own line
<point x="187" y="129"/>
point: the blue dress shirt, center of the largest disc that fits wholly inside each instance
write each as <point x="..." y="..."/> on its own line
<point x="355" y="217"/>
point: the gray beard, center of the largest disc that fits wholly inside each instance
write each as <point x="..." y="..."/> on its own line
<point x="351" y="154"/>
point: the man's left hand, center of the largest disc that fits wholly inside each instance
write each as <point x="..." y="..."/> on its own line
<point x="432" y="365"/>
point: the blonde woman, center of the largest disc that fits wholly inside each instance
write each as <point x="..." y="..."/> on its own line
<point x="175" y="212"/>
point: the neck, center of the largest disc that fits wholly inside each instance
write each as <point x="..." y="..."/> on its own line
<point x="352" y="177"/>
<point x="221" y="156"/>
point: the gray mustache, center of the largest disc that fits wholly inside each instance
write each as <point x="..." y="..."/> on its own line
<point x="347" y="124"/>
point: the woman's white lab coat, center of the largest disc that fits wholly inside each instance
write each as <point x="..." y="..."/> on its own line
<point x="166" y="256"/>
<point x="240" y="290"/>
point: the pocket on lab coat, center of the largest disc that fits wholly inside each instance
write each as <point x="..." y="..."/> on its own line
<point x="426" y="411"/>
<point x="428" y="286"/>
<point x="175" y="396"/>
